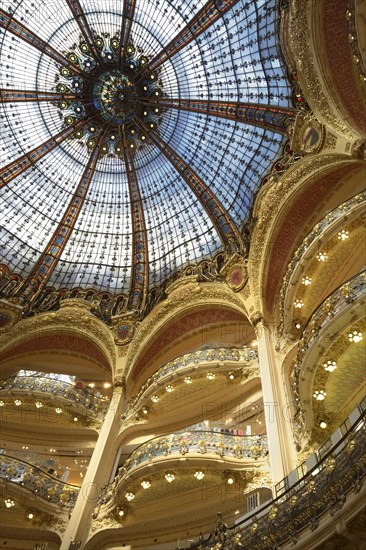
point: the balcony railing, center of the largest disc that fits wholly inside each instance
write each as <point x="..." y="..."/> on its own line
<point x="241" y="357"/>
<point x="38" y="482"/>
<point x="328" y="477"/>
<point x="191" y="443"/>
<point x="354" y="203"/>
<point x="58" y="388"/>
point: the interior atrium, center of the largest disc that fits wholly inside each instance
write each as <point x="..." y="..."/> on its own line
<point x="182" y="274"/>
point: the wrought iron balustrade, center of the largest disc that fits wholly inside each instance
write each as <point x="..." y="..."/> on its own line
<point x="328" y="479"/>
<point x="38" y="482"/>
<point x="56" y="387"/>
<point x="241" y="357"/>
<point x="191" y="443"/>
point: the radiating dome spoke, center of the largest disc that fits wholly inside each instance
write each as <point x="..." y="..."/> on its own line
<point x="23" y="163"/>
<point x="140" y="274"/>
<point x="84" y="27"/>
<point x="273" y="118"/>
<point x="224" y="225"/>
<point x="16" y="28"/>
<point x="207" y="15"/>
<point x="20" y="96"/>
<point x="49" y="258"/>
<point x="185" y="195"/>
<point x="127" y="18"/>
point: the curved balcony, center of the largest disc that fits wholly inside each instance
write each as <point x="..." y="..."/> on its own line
<point x="191" y="363"/>
<point x="301" y="515"/>
<point x="42" y="485"/>
<point x="56" y="388"/>
<point x="195" y="444"/>
<point x="327" y="322"/>
<point x="322" y="231"/>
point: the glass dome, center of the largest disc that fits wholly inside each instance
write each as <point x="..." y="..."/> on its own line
<point x="134" y="135"/>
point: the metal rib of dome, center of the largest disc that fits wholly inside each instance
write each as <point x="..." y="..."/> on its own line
<point x="134" y="135"/>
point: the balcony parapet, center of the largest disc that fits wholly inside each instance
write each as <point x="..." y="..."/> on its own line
<point x="307" y="498"/>
<point x="322" y="230"/>
<point x="332" y="308"/>
<point x="23" y="475"/>
<point x="53" y="387"/>
<point x="196" y="444"/>
<point x="222" y="359"/>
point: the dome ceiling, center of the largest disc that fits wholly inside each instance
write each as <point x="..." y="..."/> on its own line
<point x="133" y="135"/>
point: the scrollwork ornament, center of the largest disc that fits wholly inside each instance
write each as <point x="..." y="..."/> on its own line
<point x="299" y="33"/>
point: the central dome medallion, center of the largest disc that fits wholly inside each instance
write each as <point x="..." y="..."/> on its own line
<point x="115" y="97"/>
<point x="114" y="93"/>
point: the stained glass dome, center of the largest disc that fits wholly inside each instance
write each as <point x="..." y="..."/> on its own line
<point x="134" y="135"/>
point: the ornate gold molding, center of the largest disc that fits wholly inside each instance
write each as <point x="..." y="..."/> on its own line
<point x="235" y="272"/>
<point x="74" y="315"/>
<point x="271" y="200"/>
<point x="10" y="313"/>
<point x="183" y="295"/>
<point x="300" y="37"/>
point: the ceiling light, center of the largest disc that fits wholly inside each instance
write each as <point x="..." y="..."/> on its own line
<point x="343" y="235"/>
<point x="17" y="402"/>
<point x="355" y="336"/>
<point x="230" y="480"/>
<point x="9" y="503"/>
<point x="155" y="398"/>
<point x="91" y="385"/>
<point x="323" y="425"/>
<point x="169" y="476"/>
<point x="169" y="388"/>
<point x="188" y="380"/>
<point x="145" y="410"/>
<point x="39" y="405"/>
<point x="298" y="325"/>
<point x="199" y="475"/>
<point x="330" y="366"/>
<point x="306" y="280"/>
<point x="120" y="512"/>
<point x="2" y="403"/>
<point x="298" y="304"/>
<point x="145" y="484"/>
<point x="58" y="410"/>
<point x="319" y="395"/>
<point x="107" y="385"/>
<point x="322" y="256"/>
<point x="130" y="496"/>
<point x="210" y="375"/>
<point x="30" y="515"/>
<point x="75" y="419"/>
<point x="231" y="376"/>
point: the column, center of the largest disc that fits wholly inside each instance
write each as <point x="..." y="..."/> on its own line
<point x="282" y="453"/>
<point x="97" y="475"/>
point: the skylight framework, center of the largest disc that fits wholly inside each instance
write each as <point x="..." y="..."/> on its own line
<point x="222" y="107"/>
